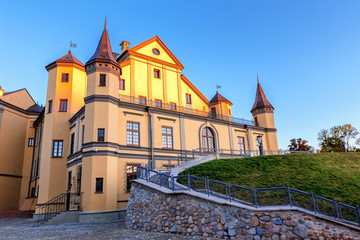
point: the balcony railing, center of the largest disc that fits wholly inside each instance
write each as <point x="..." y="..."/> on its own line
<point x="189" y="110"/>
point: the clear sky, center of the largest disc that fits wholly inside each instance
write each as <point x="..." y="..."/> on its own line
<point x="307" y="53"/>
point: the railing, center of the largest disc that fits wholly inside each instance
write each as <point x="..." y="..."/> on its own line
<point x="61" y="203"/>
<point x="173" y="107"/>
<point x="222" y="153"/>
<point x="276" y="196"/>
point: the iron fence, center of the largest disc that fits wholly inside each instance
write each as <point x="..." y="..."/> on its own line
<point x="275" y="196"/>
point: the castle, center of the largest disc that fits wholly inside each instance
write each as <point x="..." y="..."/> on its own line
<point x="104" y="118"/>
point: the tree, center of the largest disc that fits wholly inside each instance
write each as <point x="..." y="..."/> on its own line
<point x="299" y="145"/>
<point x="330" y="139"/>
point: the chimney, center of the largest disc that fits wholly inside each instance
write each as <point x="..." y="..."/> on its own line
<point x="124" y="46"/>
<point x="1" y="92"/>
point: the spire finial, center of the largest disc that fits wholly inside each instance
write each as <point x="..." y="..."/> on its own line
<point x="105" y="21"/>
<point x="257" y="75"/>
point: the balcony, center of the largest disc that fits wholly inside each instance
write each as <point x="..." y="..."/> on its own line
<point x="188" y="110"/>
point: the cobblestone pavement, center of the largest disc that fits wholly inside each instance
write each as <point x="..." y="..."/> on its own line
<point x="28" y="229"/>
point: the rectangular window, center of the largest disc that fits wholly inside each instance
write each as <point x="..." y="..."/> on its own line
<point x="69" y="181"/>
<point x="213" y="110"/>
<point x="167" y="137"/>
<point x="158" y="103"/>
<point x="142" y="100"/>
<point x="99" y="185"/>
<point x="57" y="148"/>
<point x="82" y="135"/>
<point x="50" y="106"/>
<point x="188" y="98"/>
<point x="122" y="84"/>
<point x="130" y="175"/>
<point x="72" y="142"/>
<point x="156" y="73"/>
<point x="63" y="105"/>
<point x="102" y="81"/>
<point x="241" y="145"/>
<point x="257" y="147"/>
<point x="101" y="134"/>
<point x="64" y="77"/>
<point x="173" y="106"/>
<point x="31" y="142"/>
<point x="133" y="133"/>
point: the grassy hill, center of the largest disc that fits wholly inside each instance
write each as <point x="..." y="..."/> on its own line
<point x="330" y="175"/>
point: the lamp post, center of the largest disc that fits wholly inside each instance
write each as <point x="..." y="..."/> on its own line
<point x="342" y="138"/>
<point x="261" y="148"/>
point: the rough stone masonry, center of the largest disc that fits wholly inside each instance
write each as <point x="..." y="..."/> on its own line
<point x="152" y="210"/>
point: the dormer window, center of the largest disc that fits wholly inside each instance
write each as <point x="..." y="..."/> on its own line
<point x="102" y="80"/>
<point x="156" y="51"/>
<point x="64" y="77"/>
<point x="156" y="73"/>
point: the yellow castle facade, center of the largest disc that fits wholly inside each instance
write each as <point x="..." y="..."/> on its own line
<point x="103" y="118"/>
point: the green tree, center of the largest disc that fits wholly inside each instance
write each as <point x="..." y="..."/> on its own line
<point x="299" y="145"/>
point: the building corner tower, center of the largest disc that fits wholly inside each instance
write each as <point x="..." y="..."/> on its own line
<point x="100" y="160"/>
<point x="263" y="113"/>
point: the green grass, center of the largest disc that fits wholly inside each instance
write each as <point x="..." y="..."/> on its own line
<point x="330" y="175"/>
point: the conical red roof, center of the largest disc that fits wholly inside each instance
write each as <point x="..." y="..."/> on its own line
<point x="260" y="99"/>
<point x="103" y="51"/>
<point x="68" y="58"/>
<point x="219" y="98"/>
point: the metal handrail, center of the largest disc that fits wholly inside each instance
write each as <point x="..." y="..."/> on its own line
<point x="338" y="208"/>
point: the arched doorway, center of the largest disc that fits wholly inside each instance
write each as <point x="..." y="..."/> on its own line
<point x="208" y="140"/>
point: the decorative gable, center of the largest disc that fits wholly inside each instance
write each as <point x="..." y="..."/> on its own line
<point x="155" y="49"/>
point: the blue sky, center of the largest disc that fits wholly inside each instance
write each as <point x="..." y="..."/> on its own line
<point x="307" y="53"/>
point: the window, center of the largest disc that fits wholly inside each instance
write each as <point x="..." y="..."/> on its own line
<point x="57" y="148"/>
<point x="229" y="112"/>
<point x="122" y="84"/>
<point x="173" y="106"/>
<point x="156" y="51"/>
<point x="31" y="142"/>
<point x="208" y="140"/>
<point x="167" y="137"/>
<point x="101" y="134"/>
<point x="158" y="103"/>
<point x="130" y="175"/>
<point x="50" y="106"/>
<point x="255" y="119"/>
<point x="82" y="135"/>
<point x="69" y="181"/>
<point x="213" y="110"/>
<point x="99" y="185"/>
<point x="241" y="145"/>
<point x="63" y="105"/>
<point x="133" y="133"/>
<point x="78" y="179"/>
<point x="257" y="147"/>
<point x="102" y="81"/>
<point x="64" y="77"/>
<point x="142" y="100"/>
<point x="188" y="98"/>
<point x="156" y="73"/>
<point x="72" y="141"/>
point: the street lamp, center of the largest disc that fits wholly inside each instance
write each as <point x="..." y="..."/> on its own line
<point x="342" y="138"/>
<point x="261" y="148"/>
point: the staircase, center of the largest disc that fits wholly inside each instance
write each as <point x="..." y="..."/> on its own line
<point x="61" y="203"/>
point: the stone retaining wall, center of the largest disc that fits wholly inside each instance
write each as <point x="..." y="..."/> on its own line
<point x="16" y="214"/>
<point x="180" y="213"/>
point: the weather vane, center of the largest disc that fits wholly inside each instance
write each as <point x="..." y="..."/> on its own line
<point x="218" y="86"/>
<point x="72" y="45"/>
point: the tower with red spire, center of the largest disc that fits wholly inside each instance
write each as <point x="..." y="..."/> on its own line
<point x="263" y="113"/>
<point x="102" y="125"/>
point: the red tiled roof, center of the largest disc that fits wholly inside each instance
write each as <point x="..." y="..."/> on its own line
<point x="69" y="58"/>
<point x="260" y="99"/>
<point x="103" y="51"/>
<point x="219" y="98"/>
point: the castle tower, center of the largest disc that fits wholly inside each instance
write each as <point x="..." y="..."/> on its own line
<point x="220" y="105"/>
<point x="262" y="110"/>
<point x="65" y="96"/>
<point x="99" y="183"/>
<point x="263" y="113"/>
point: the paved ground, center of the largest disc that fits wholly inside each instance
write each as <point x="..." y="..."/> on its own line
<point x="27" y="229"/>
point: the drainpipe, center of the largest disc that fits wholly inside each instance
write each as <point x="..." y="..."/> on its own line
<point x="151" y="137"/>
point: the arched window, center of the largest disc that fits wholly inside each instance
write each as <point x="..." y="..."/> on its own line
<point x="208" y="140"/>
